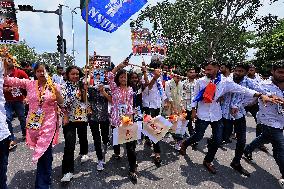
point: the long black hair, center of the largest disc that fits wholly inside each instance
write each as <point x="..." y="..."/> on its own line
<point x="80" y="82"/>
<point x="129" y="80"/>
<point x="118" y="74"/>
<point x="36" y="68"/>
<point x="68" y="70"/>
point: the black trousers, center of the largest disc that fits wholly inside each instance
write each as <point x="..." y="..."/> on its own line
<point x="100" y="132"/>
<point x="131" y="154"/>
<point x="253" y="110"/>
<point x="189" y="125"/>
<point x="4" y="154"/>
<point x="69" y="132"/>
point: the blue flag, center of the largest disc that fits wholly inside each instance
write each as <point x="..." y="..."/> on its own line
<point x="109" y="15"/>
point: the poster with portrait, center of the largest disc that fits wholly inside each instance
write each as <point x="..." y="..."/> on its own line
<point x="143" y="44"/>
<point x="8" y="23"/>
<point x="127" y="133"/>
<point x="156" y="128"/>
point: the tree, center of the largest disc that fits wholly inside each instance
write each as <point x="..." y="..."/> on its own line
<point x="22" y="52"/>
<point x="270" y="46"/>
<point x="53" y="60"/>
<point x="202" y="29"/>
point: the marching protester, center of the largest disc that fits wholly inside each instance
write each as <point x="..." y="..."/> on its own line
<point x="153" y="97"/>
<point x="253" y="107"/>
<point x="122" y="105"/>
<point x="207" y="109"/>
<point x="188" y="95"/>
<point x="173" y="91"/>
<point x="271" y="118"/>
<point x="58" y="77"/>
<point x="225" y="102"/>
<point x="75" y="110"/>
<point x="236" y="111"/>
<point x="42" y="124"/>
<point x="98" y="97"/>
<point x="4" y="134"/>
<point x="226" y="69"/>
<point x="14" y="97"/>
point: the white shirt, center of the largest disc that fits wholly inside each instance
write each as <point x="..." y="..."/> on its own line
<point x="4" y="131"/>
<point x="270" y="115"/>
<point x="152" y="98"/>
<point x="58" y="79"/>
<point x="212" y="111"/>
<point x="188" y="93"/>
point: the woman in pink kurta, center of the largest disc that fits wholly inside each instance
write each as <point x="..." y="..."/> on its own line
<point x="40" y="97"/>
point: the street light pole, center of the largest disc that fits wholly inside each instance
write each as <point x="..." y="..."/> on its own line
<point x="61" y="35"/>
<point x="73" y="34"/>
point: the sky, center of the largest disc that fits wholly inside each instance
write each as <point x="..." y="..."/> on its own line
<point x="40" y="30"/>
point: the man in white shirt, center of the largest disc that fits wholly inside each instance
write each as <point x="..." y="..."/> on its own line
<point x="188" y="95"/>
<point x="58" y="78"/>
<point x="253" y="108"/>
<point x="271" y="118"/>
<point x="4" y="134"/>
<point x="153" y="96"/>
<point x="206" y="108"/>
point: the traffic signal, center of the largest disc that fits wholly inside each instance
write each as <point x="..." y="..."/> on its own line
<point x="59" y="44"/>
<point x="64" y="46"/>
<point x="26" y="7"/>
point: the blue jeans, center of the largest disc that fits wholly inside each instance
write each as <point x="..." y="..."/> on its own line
<point x="19" y="108"/>
<point x="4" y="153"/>
<point x="44" y="169"/>
<point x="217" y="131"/>
<point x="276" y="138"/>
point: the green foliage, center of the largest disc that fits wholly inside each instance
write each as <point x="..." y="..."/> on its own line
<point x="270" y="45"/>
<point x="203" y="29"/>
<point x="53" y="60"/>
<point x="22" y="52"/>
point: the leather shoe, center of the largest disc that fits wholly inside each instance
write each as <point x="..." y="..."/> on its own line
<point x="209" y="167"/>
<point x="240" y="169"/>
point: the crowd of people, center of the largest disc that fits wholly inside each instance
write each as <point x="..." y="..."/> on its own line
<point x="219" y="96"/>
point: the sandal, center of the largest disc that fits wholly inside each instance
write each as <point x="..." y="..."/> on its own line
<point x="13" y="145"/>
<point x="157" y="160"/>
<point x="133" y="176"/>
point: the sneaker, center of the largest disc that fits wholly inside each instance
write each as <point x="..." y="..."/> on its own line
<point x="67" y="177"/>
<point x="100" y="165"/>
<point x="281" y="182"/>
<point x="84" y="158"/>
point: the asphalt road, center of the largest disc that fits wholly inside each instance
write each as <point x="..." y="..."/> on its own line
<point x="175" y="172"/>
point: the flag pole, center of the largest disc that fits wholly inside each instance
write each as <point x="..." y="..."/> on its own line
<point x="87" y="45"/>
